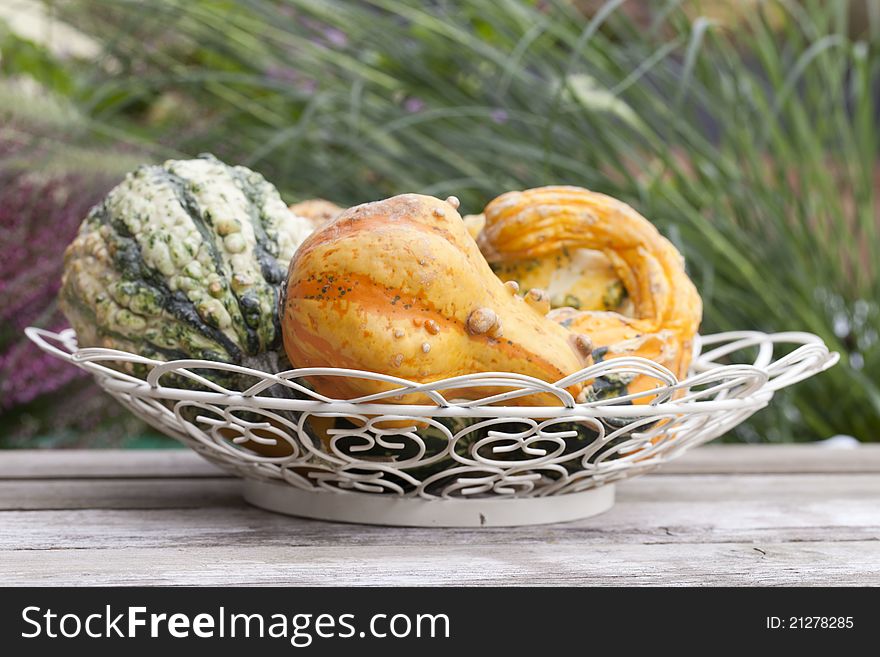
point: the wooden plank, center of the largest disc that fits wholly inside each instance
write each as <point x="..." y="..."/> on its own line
<point x="802" y="563"/>
<point x="175" y="463"/>
<point x="670" y="509"/>
<point x="100" y="530"/>
<point x="119" y="493"/>
<point x="117" y="463"/>
<point x="767" y="490"/>
<point x="775" y="459"/>
<point x="138" y="518"/>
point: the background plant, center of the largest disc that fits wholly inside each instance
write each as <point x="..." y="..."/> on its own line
<point x="747" y="131"/>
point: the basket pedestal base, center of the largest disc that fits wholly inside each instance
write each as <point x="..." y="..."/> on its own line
<point x="365" y="508"/>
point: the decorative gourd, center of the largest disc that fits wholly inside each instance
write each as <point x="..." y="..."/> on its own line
<point x="474" y="223"/>
<point x="316" y="210"/>
<point x="184" y="260"/>
<point x="399" y="287"/>
<point x="667" y="309"/>
<point x="581" y="278"/>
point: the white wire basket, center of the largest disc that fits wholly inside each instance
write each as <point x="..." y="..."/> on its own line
<point x="453" y="463"/>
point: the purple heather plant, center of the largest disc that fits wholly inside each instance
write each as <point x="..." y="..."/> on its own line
<point x="39" y="216"/>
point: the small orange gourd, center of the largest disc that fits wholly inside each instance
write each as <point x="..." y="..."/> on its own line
<point x="666" y="308"/>
<point x="316" y="211"/>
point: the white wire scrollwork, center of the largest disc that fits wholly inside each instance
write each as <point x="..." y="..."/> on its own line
<point x="279" y="429"/>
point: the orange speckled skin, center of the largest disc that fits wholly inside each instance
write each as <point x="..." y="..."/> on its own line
<point x="389" y="286"/>
<point x="667" y="308"/>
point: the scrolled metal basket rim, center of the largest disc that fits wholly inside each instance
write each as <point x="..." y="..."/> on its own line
<point x="754" y="383"/>
<point x="448" y="462"/>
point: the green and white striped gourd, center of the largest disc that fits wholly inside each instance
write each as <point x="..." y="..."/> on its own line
<point x="184" y="260"/>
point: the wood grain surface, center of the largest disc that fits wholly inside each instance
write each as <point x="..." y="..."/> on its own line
<point x="729" y="515"/>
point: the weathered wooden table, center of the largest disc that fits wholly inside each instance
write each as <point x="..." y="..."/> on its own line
<point x="730" y="515"/>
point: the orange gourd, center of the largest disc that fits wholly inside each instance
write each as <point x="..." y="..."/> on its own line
<point x="316" y="211"/>
<point x="666" y="307"/>
<point x="400" y="287"/>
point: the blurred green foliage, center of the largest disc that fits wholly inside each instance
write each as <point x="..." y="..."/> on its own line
<point x="746" y="131"/>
